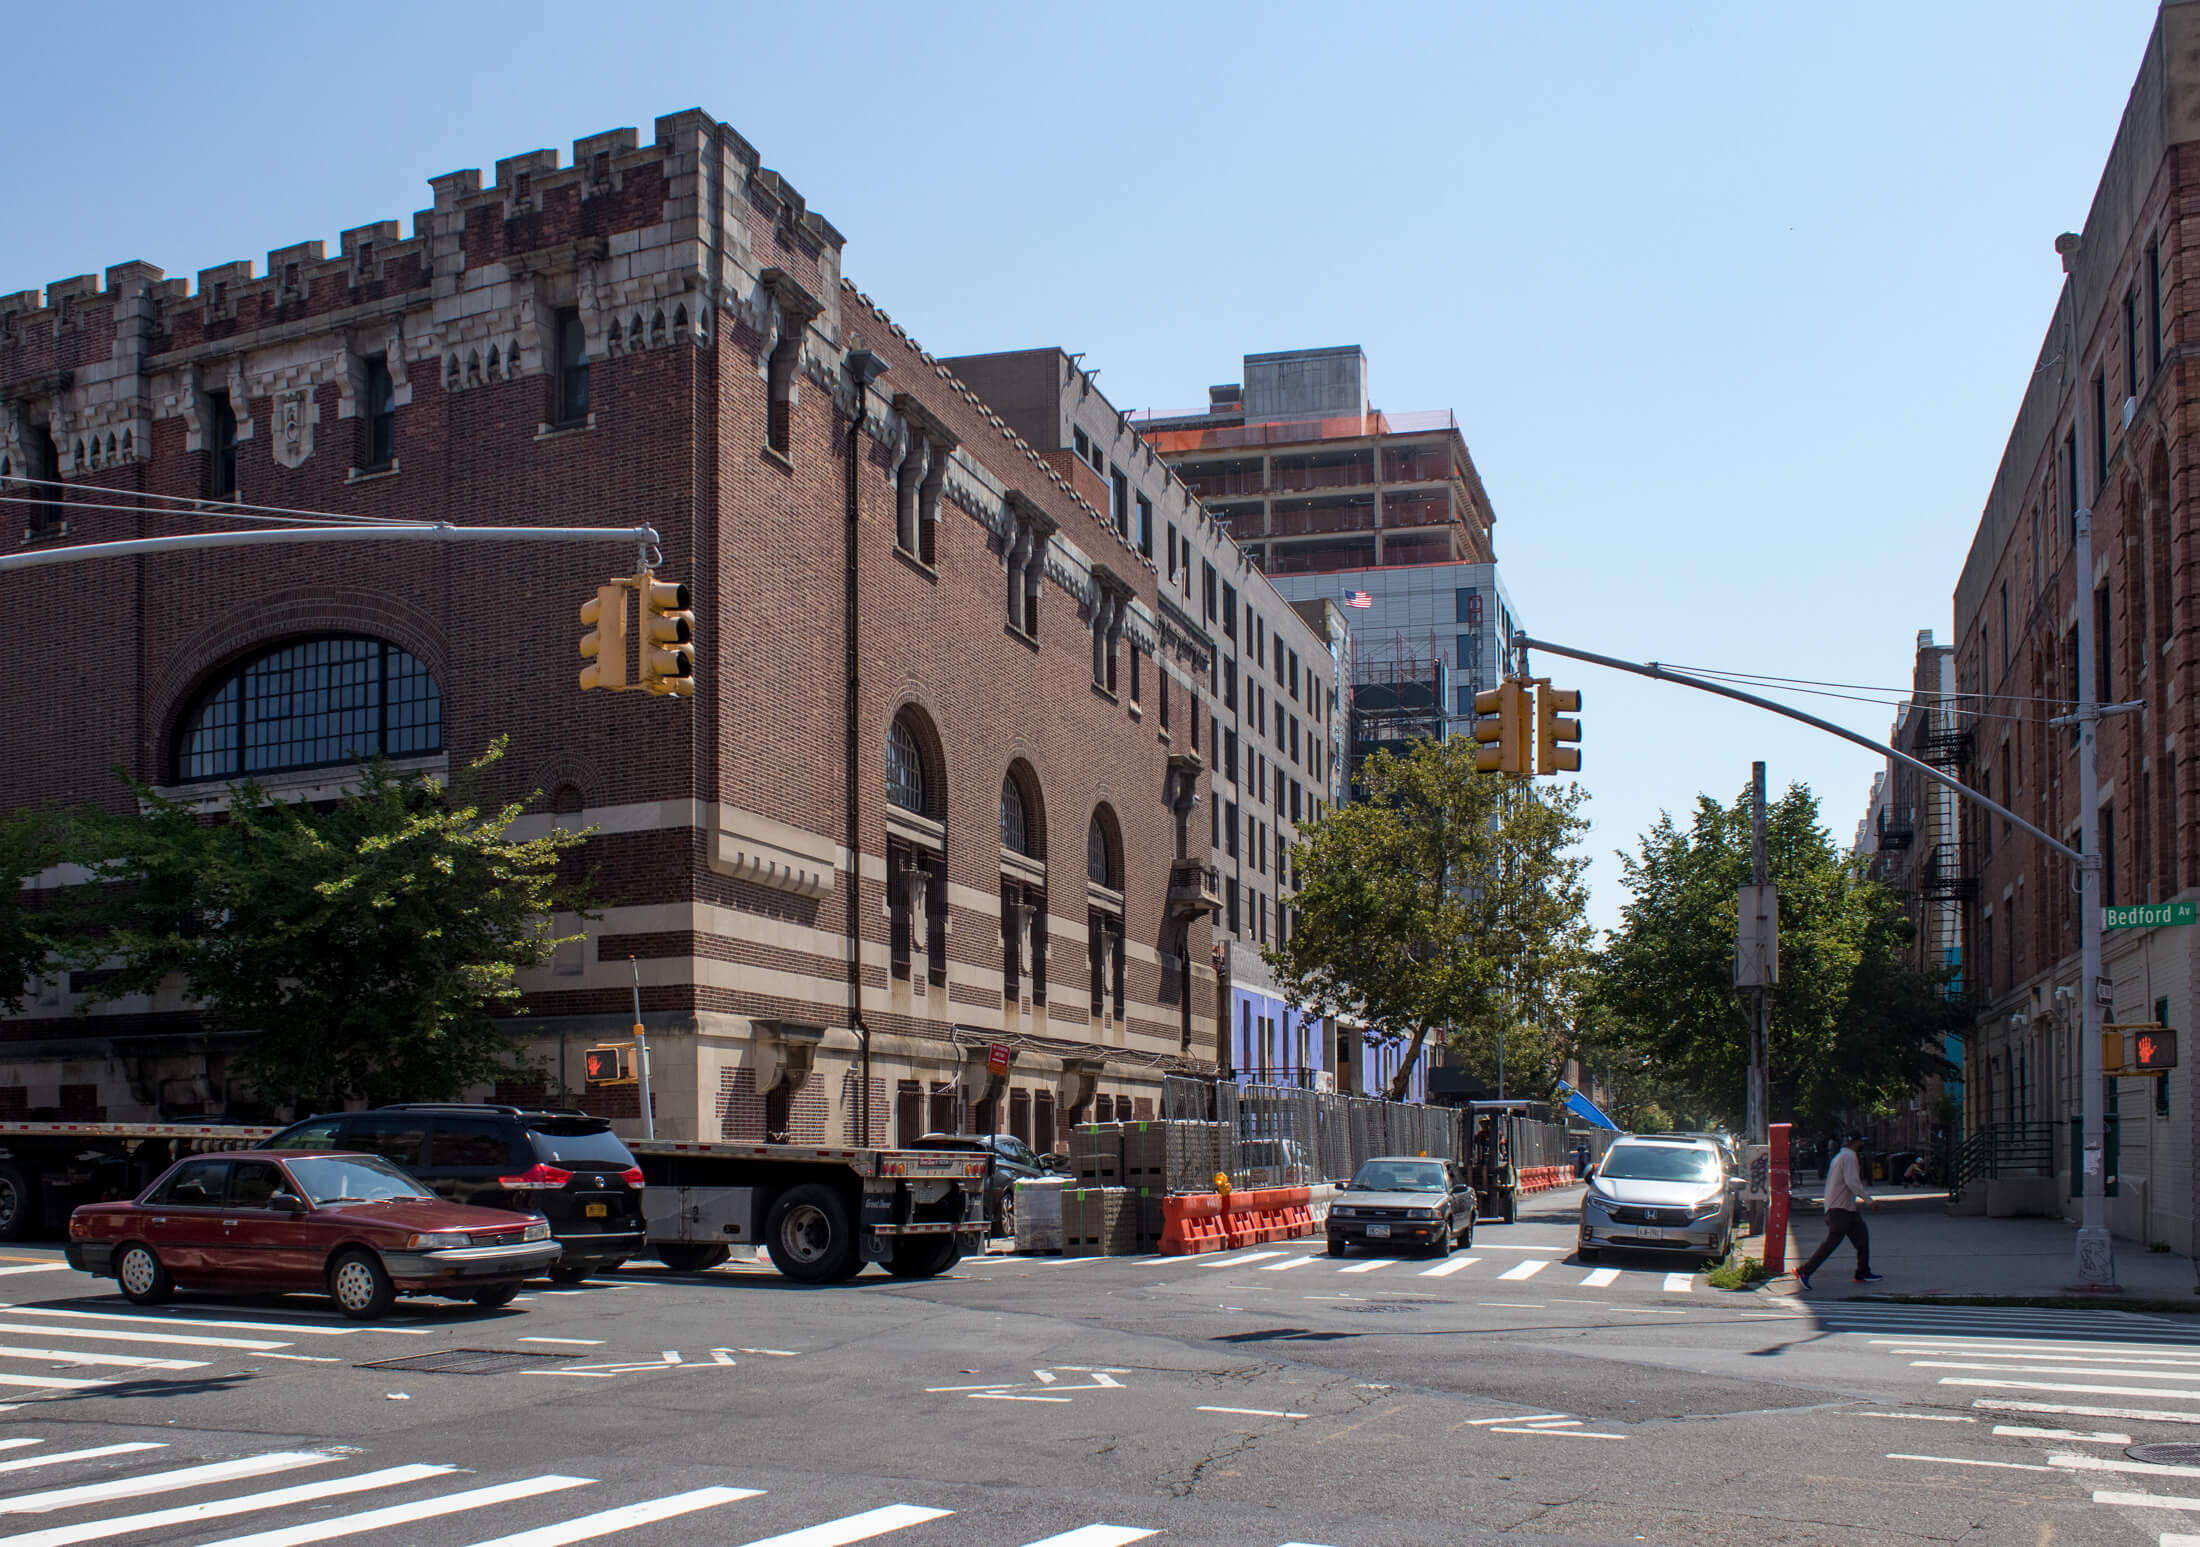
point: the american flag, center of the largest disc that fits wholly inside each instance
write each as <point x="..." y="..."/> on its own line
<point x="1358" y="599"/>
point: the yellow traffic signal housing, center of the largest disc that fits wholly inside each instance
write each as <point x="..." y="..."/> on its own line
<point x="1501" y="725"/>
<point x="604" y="645"/>
<point x="1550" y="730"/>
<point x="668" y="638"/>
<point x="611" y="1063"/>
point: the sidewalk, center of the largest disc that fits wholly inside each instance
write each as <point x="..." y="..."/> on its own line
<point x="1923" y="1250"/>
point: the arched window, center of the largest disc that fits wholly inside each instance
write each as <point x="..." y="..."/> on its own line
<point x="310" y="704"/>
<point x="904" y="768"/>
<point x="1102" y="863"/>
<point x="1015" y="821"/>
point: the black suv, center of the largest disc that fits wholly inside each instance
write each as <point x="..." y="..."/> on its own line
<point x="568" y="1167"/>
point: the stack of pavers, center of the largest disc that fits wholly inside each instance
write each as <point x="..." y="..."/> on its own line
<point x="1146" y="1176"/>
<point x="1099" y="1214"/>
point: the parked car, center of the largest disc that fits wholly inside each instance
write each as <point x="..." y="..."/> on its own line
<point x="1404" y="1200"/>
<point x="289" y="1221"/>
<point x="567" y="1167"/>
<point x="1660" y="1193"/>
<point x="1013" y="1161"/>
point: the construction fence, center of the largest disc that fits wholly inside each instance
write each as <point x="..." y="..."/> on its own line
<point x="1281" y="1136"/>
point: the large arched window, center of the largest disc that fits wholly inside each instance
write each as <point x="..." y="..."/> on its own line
<point x="1103" y="853"/>
<point x="1023" y="887"/>
<point x="916" y="848"/>
<point x="1104" y="912"/>
<point x="904" y="768"/>
<point x="1015" y="821"/>
<point x="309" y="704"/>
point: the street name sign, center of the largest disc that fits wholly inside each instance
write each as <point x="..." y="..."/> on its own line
<point x="2149" y="915"/>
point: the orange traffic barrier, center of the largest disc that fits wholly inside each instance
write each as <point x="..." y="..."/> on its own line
<point x="1189" y="1224"/>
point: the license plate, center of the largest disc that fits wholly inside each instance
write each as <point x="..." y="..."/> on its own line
<point x="1653" y="1233"/>
<point x="1377" y="1232"/>
<point x="597" y="1210"/>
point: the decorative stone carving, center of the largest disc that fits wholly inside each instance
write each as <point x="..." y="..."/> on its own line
<point x="294" y="418"/>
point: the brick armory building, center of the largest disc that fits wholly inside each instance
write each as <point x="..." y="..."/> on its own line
<point x="979" y="793"/>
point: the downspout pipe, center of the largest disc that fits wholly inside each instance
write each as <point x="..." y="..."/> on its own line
<point x="863" y="368"/>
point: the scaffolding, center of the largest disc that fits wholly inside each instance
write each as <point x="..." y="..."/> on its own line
<point x="1396" y="704"/>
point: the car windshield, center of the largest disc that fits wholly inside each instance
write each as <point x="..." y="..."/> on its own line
<point x="1659" y="1163"/>
<point x="1399" y="1176"/>
<point x="353" y="1179"/>
<point x="579" y="1144"/>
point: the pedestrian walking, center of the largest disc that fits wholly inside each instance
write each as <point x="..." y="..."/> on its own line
<point x="1844" y="1220"/>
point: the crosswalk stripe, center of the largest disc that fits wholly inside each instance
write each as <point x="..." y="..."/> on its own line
<point x="405" y="1514"/>
<point x="52" y="1382"/>
<point x="1239" y="1259"/>
<point x="174" y="1339"/>
<point x="55" y="1458"/>
<point x="165" y="1482"/>
<point x="1447" y="1269"/>
<point x="2106" y="1464"/>
<point x="1095" y="1536"/>
<point x="304" y="1328"/>
<point x="2050" y="1369"/>
<point x="855" y="1528"/>
<point x="606" y="1521"/>
<point x="2083" y="1391"/>
<point x="1600" y="1278"/>
<point x="1968" y="1351"/>
<point x="119" y="1361"/>
<point x="2078" y="1410"/>
<point x="1528" y="1269"/>
<point x="1373" y="1264"/>
<point x="1295" y="1262"/>
<point x="244" y="1504"/>
<point x="1680" y="1283"/>
<point x="2146" y="1501"/>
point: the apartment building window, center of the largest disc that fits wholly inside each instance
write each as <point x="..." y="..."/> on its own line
<point x="2154" y="304"/>
<point x="1294" y="679"/>
<point x="571" y="351"/>
<point x="2100" y="429"/>
<point x="1229" y="610"/>
<point x="1229" y="685"/>
<point x="44" y="469"/>
<point x="1119" y="499"/>
<point x="1263" y="901"/>
<point x="1283" y="868"/>
<point x="1207" y="587"/>
<point x="1283" y="679"/>
<point x="1260" y="774"/>
<point x="2070" y="480"/>
<point x="221" y="445"/>
<point x="1294" y="738"/>
<point x="381" y="415"/>
<point x="1172" y="553"/>
<point x="1214" y="728"/>
<point x="1194" y="716"/>
<point x="1161" y="685"/>
<point x="1214" y="824"/>
<point x="1260" y="847"/>
<point x="1295" y="794"/>
<point x="1230" y="755"/>
<point x="2131" y="342"/>
<point x="1135" y="653"/>
<point x="1259" y="626"/>
<point x="1145" y="526"/>
<point x="1230" y="834"/>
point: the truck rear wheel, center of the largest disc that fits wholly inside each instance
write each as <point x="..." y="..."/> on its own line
<point x="18" y="1205"/>
<point x="812" y="1235"/>
<point x="923" y="1256"/>
<point x="691" y="1256"/>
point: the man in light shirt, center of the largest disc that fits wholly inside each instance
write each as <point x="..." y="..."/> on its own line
<point x="1844" y="1219"/>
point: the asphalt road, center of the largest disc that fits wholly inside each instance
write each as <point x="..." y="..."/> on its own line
<point x="1260" y="1400"/>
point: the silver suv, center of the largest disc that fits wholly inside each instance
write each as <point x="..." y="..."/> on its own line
<point x="1659" y="1194"/>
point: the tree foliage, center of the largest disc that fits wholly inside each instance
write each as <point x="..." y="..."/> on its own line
<point x="1446" y="900"/>
<point x="367" y="941"/>
<point x="30" y="842"/>
<point x="1853" y="1026"/>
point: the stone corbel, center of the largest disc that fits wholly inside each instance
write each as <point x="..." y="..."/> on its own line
<point x="1080" y="1082"/>
<point x="785" y="1056"/>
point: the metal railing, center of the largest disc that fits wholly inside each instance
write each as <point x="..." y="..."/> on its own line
<point x="1280" y="1136"/>
<point x="2004" y="1149"/>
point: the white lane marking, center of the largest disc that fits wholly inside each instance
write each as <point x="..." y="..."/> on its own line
<point x="2007" y="1466"/>
<point x="52" y="1382"/>
<point x="855" y="1528"/>
<point x="215" y="1509"/>
<point x="1447" y="1269"/>
<point x="1922" y="1417"/>
<point x="1528" y="1418"/>
<point x="2077" y="1410"/>
<point x="1278" y="1267"/>
<point x="2112" y="1360"/>
<point x="1242" y="1257"/>
<point x="143" y="1319"/>
<point x="776" y="1353"/>
<point x="118" y="1361"/>
<point x="167" y="1482"/>
<point x="2023" y="1348"/>
<point x="1253" y="1412"/>
<point x="1527" y="1269"/>
<point x="1680" y="1283"/>
<point x="2149" y="1501"/>
<point x="35" y="1267"/>
<point x="1371" y="1265"/>
<point x="96" y="1451"/>
<point x="2086" y="1391"/>
<point x="2104" y="1464"/>
<point x="575" y="1342"/>
<point x="1511" y="1305"/>
<point x="2078" y="1436"/>
<point x="1096" y="1536"/>
<point x="2051" y="1369"/>
<point x="1600" y="1278"/>
<point x="1557" y="1423"/>
<point x="173" y="1339"/>
<point x="1508" y="1246"/>
<point x="1569" y="1434"/>
<point x="1003" y="1396"/>
<point x="606" y="1521"/>
<point x="405" y="1514"/>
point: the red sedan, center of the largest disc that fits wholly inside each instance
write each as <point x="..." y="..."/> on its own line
<point x="353" y="1227"/>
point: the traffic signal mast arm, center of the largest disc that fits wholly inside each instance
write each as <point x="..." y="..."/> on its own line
<point x="350" y="532"/>
<point x="1666" y="674"/>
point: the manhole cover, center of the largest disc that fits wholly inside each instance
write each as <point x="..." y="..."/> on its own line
<point x="470" y="1361"/>
<point x="2165" y="1455"/>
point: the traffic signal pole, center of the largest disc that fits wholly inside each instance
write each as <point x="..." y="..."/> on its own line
<point x="350" y="532"/>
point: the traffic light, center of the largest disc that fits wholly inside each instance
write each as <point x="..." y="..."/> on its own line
<point x="667" y="642"/>
<point x="611" y="1064"/>
<point x="604" y="645"/>
<point x="1550" y="730"/>
<point x="1501" y="725"/>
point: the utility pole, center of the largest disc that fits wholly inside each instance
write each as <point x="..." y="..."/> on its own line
<point x="641" y="1057"/>
<point x="2096" y="1250"/>
<point x="1760" y="1008"/>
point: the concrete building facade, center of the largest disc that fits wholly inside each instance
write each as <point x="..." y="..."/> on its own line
<point x="935" y="795"/>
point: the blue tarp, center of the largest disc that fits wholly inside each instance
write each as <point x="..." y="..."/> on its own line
<point x="1582" y="1106"/>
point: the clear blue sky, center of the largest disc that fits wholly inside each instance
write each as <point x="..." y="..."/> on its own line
<point x="1734" y="302"/>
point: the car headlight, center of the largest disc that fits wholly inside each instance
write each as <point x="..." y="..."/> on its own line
<point x="1598" y="1200"/>
<point x="538" y="1231"/>
<point x="1706" y="1207"/>
<point x="1420" y="1213"/>
<point x="439" y="1240"/>
<point x="1336" y="1212"/>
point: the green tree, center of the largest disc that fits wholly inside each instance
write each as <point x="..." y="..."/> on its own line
<point x="1445" y="900"/>
<point x="367" y="942"/>
<point x="29" y="843"/>
<point x="1853" y="1028"/>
